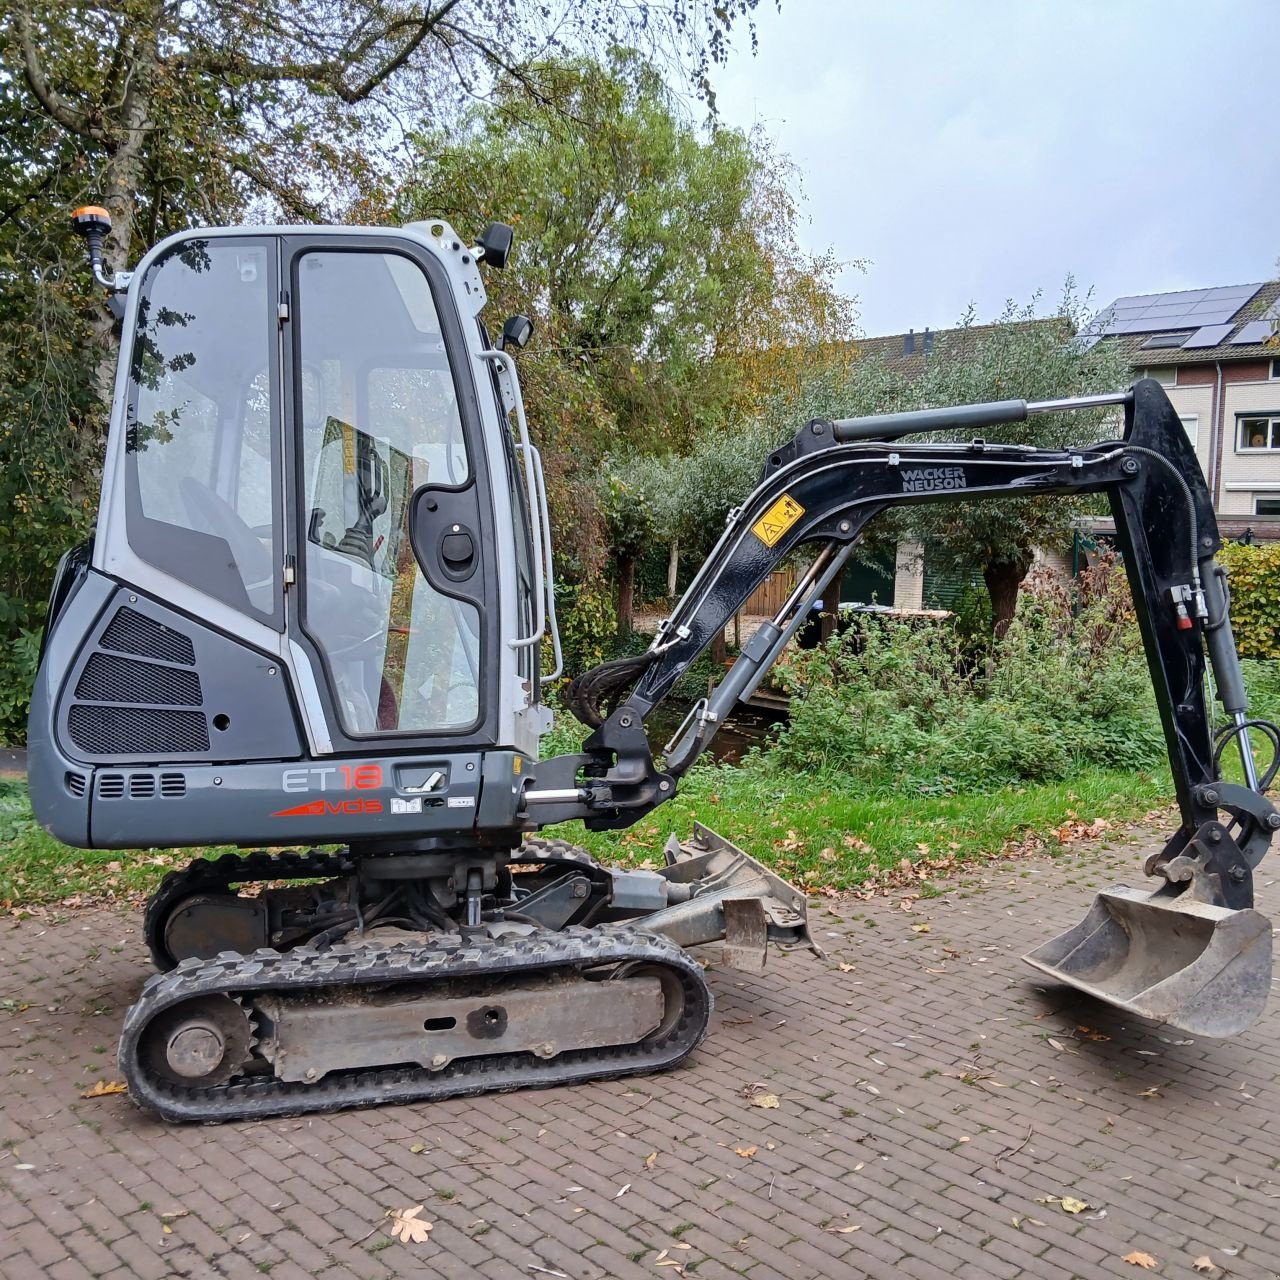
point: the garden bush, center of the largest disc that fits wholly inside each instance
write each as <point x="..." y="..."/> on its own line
<point x="894" y="705"/>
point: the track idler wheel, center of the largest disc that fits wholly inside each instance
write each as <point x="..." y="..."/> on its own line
<point x="200" y="1043"/>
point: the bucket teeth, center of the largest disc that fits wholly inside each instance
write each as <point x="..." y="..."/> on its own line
<point x="1202" y="968"/>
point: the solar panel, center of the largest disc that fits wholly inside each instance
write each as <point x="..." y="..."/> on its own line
<point x="1209" y="336"/>
<point x="1254" y="331"/>
<point x="1185" y="309"/>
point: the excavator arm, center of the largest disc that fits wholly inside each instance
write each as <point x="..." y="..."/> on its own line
<point x="822" y="488"/>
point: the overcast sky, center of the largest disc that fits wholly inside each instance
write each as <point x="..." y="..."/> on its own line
<point x="980" y="151"/>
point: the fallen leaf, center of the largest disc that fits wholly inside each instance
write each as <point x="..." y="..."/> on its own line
<point x="417" y="1149"/>
<point x="651" y="1159"/>
<point x="105" y="1087"/>
<point x="622" y="1190"/>
<point x="845" y="968"/>
<point x="767" y="1100"/>
<point x="1153" y="1092"/>
<point x="1139" y="1259"/>
<point x="1204" y="1263"/>
<point x="1056" y="1044"/>
<point x="1230" y="1250"/>
<point x="672" y="1262"/>
<point x="920" y="928"/>
<point x="745" y="1152"/>
<point x="843" y="1231"/>
<point x="545" y="1271"/>
<point x="1072" y="1205"/>
<point x="407" y="1226"/>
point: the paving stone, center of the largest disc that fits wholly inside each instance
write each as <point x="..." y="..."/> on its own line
<point x="880" y="1072"/>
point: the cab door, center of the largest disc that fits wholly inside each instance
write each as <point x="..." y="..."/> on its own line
<point x="391" y="525"/>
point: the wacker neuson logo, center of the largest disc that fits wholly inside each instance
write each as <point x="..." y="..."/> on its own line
<point x="927" y="479"/>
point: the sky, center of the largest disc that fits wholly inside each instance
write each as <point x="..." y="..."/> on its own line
<point x="981" y="151"/>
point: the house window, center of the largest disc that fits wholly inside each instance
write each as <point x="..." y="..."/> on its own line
<point x="1191" y="425"/>
<point x="1275" y="368"/>
<point x="1257" y="433"/>
<point x="1266" y="506"/>
<point x="1165" y="375"/>
<point x="1167" y="340"/>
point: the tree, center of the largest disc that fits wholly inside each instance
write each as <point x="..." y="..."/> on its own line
<point x="1017" y="358"/>
<point x="661" y="263"/>
<point x="1023" y="355"/>
<point x="215" y="111"/>
<point x="202" y="106"/>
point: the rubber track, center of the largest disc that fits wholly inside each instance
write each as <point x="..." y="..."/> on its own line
<point x="217" y="875"/>
<point x="304" y="969"/>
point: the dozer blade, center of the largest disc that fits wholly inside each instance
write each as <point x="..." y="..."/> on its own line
<point x="1202" y="968"/>
<point x="723" y="892"/>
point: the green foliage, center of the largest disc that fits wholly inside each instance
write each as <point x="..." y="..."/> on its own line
<point x="587" y="624"/>
<point x="821" y="836"/>
<point x="1253" y="573"/>
<point x="899" y="706"/>
<point x="660" y="261"/>
<point x="17" y="675"/>
<point x="1022" y="355"/>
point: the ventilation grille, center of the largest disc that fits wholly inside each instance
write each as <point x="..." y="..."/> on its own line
<point x="140" y="786"/>
<point x="104" y="730"/>
<point x="110" y="679"/>
<point x="133" y="632"/>
<point x="76" y="783"/>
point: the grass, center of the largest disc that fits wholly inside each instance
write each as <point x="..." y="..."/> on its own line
<point x="818" y="836"/>
<point x="36" y="870"/>
<point x="808" y="830"/>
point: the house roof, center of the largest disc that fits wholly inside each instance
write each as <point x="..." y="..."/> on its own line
<point x="891" y="350"/>
<point x="1193" y="326"/>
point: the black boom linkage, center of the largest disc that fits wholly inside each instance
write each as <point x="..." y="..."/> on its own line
<point x="826" y="483"/>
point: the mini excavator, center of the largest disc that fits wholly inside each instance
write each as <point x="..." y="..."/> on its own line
<point x="313" y="613"/>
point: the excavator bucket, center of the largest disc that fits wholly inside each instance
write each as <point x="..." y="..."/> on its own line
<point x="1202" y="968"/>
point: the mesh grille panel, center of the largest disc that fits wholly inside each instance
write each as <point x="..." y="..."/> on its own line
<point x="134" y="731"/>
<point x="133" y="632"/>
<point x="109" y="679"/>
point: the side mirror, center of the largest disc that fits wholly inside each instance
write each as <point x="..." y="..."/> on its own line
<point x="494" y="245"/>
<point x="516" y="333"/>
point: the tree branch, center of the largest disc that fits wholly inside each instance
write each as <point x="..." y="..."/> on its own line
<point x="56" y="106"/>
<point x="330" y="71"/>
<point x="291" y="202"/>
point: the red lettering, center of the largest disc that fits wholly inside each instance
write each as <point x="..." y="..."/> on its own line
<point x="368" y="777"/>
<point x="364" y="777"/>
<point x="354" y="806"/>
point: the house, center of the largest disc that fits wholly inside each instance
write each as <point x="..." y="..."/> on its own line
<point x="1217" y="354"/>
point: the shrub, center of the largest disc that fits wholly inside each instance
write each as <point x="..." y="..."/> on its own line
<point x="895" y="706"/>
<point x="1253" y="573"/>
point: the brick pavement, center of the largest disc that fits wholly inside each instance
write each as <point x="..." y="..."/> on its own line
<point x="929" y="1097"/>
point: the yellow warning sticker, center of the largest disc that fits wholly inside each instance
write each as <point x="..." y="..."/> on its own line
<point x="777" y="520"/>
